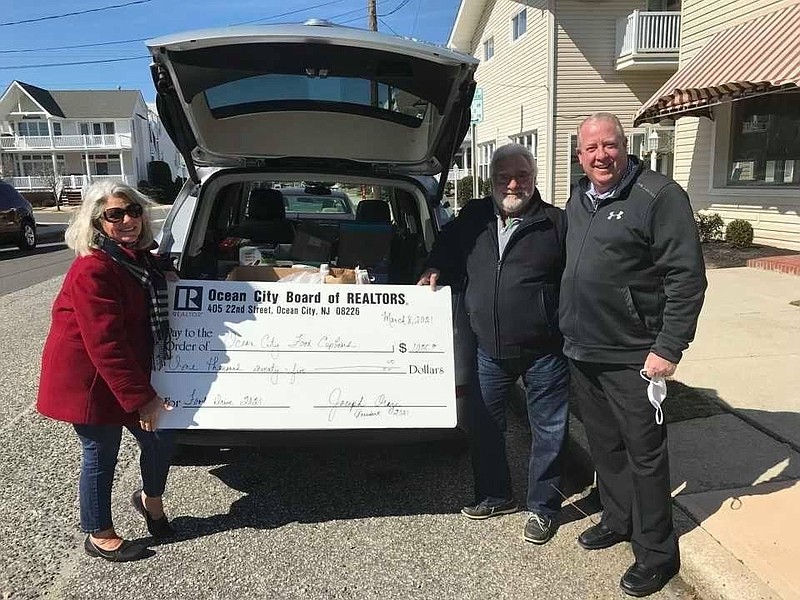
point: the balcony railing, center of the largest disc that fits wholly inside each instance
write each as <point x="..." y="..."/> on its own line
<point x="456" y="174"/>
<point x="648" y="40"/>
<point x="65" y="142"/>
<point x="74" y="182"/>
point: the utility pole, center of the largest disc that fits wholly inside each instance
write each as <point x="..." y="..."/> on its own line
<point x="372" y="25"/>
<point x="372" y="16"/>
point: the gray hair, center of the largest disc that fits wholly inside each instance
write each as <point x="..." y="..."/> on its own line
<point x="80" y="232"/>
<point x="608" y="117"/>
<point x="510" y="150"/>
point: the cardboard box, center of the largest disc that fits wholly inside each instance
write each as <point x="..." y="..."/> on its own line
<point x="267" y="273"/>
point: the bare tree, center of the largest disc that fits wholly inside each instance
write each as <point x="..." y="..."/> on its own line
<point x="53" y="182"/>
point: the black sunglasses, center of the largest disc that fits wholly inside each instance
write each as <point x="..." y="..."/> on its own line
<point x="115" y="215"/>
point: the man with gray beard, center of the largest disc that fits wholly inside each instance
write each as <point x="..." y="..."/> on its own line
<point x="505" y="253"/>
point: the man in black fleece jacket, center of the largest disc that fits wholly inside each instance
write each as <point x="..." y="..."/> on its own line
<point x="631" y="293"/>
<point x="506" y="253"/>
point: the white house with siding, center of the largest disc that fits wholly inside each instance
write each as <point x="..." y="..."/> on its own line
<point x="78" y="136"/>
<point x="547" y="64"/>
<point x="736" y="102"/>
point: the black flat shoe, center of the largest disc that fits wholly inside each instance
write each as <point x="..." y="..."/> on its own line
<point x="599" y="536"/>
<point x="126" y="552"/>
<point x="642" y="581"/>
<point x="158" y="528"/>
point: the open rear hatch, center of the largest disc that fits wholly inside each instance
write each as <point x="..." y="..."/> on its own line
<point x="312" y="95"/>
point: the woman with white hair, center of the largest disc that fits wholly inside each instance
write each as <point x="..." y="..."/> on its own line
<point x="109" y="322"/>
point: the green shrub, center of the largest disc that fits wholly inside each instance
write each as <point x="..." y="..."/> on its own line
<point x="739" y="233"/>
<point x="159" y="174"/>
<point x="485" y="186"/>
<point x="709" y="226"/>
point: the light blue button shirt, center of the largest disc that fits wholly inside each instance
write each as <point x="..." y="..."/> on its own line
<point x="505" y="231"/>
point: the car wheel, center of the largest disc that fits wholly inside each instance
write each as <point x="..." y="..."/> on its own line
<point x="27" y="239"/>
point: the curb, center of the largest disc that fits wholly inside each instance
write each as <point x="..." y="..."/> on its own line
<point x="706" y="566"/>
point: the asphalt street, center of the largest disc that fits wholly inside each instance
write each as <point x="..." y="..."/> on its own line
<point x="51" y="258"/>
<point x="311" y="523"/>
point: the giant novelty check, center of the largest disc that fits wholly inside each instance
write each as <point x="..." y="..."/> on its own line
<point x="255" y="355"/>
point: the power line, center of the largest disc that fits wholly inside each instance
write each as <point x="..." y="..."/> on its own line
<point x="391" y="12"/>
<point x="349" y="12"/>
<point x="72" y="14"/>
<point x="94" y="45"/>
<point x="286" y="14"/>
<point x="389" y="27"/>
<point x="396" y="8"/>
<point x="73" y="47"/>
<point x="416" y="16"/>
<point x="70" y="64"/>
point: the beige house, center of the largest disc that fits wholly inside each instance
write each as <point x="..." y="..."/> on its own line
<point x="547" y="64"/>
<point x="736" y="101"/>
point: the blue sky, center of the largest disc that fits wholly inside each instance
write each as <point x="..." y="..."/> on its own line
<point x="23" y="45"/>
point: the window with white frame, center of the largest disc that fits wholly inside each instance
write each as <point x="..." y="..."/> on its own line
<point x="519" y="24"/>
<point x="105" y="164"/>
<point x="765" y="141"/>
<point x="463" y="158"/>
<point x="33" y="128"/>
<point x="530" y="140"/>
<point x="488" y="49"/>
<point x="39" y="164"/>
<point x="664" y="5"/>
<point x="105" y="128"/>
<point x="485" y="152"/>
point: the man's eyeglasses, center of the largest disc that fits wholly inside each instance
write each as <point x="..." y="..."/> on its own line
<point x="115" y="215"/>
<point x="505" y="179"/>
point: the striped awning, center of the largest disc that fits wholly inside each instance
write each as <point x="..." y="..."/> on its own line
<point x="756" y="57"/>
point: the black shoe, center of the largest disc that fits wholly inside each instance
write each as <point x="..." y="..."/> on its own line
<point x="539" y="529"/>
<point x="599" y="536"/>
<point x="126" y="552"/>
<point x="158" y="528"/>
<point x="490" y="507"/>
<point x="642" y="581"/>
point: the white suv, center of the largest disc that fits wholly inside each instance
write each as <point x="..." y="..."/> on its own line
<point x="345" y="112"/>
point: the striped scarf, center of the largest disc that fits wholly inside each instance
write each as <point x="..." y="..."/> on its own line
<point x="153" y="281"/>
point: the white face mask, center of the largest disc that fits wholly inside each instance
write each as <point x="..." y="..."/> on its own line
<point x="656" y="394"/>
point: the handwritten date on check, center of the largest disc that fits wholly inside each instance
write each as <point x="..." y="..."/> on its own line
<point x="273" y="356"/>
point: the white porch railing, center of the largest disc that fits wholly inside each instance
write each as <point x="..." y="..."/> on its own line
<point x="44" y="142"/>
<point x="35" y="182"/>
<point x="458" y="174"/>
<point x="648" y="33"/>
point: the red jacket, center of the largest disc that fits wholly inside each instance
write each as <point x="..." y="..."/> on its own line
<point x="97" y="357"/>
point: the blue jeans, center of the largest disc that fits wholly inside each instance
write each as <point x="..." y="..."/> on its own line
<point x="546" y="381"/>
<point x="100" y="449"/>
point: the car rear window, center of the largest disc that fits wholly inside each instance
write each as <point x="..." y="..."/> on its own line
<point x="315" y="204"/>
<point x="314" y="91"/>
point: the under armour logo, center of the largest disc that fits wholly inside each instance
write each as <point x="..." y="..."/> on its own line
<point x="615" y="215"/>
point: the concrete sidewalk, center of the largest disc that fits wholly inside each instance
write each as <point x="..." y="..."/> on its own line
<point x="735" y="454"/>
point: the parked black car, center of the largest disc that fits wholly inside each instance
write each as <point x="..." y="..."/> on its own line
<point x="17" y="223"/>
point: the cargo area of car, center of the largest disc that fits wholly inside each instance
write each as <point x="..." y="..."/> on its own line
<point x="379" y="228"/>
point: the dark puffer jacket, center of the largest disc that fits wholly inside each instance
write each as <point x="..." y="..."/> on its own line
<point x="511" y="301"/>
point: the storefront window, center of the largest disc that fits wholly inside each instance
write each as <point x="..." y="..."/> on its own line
<point x="765" y="141"/>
